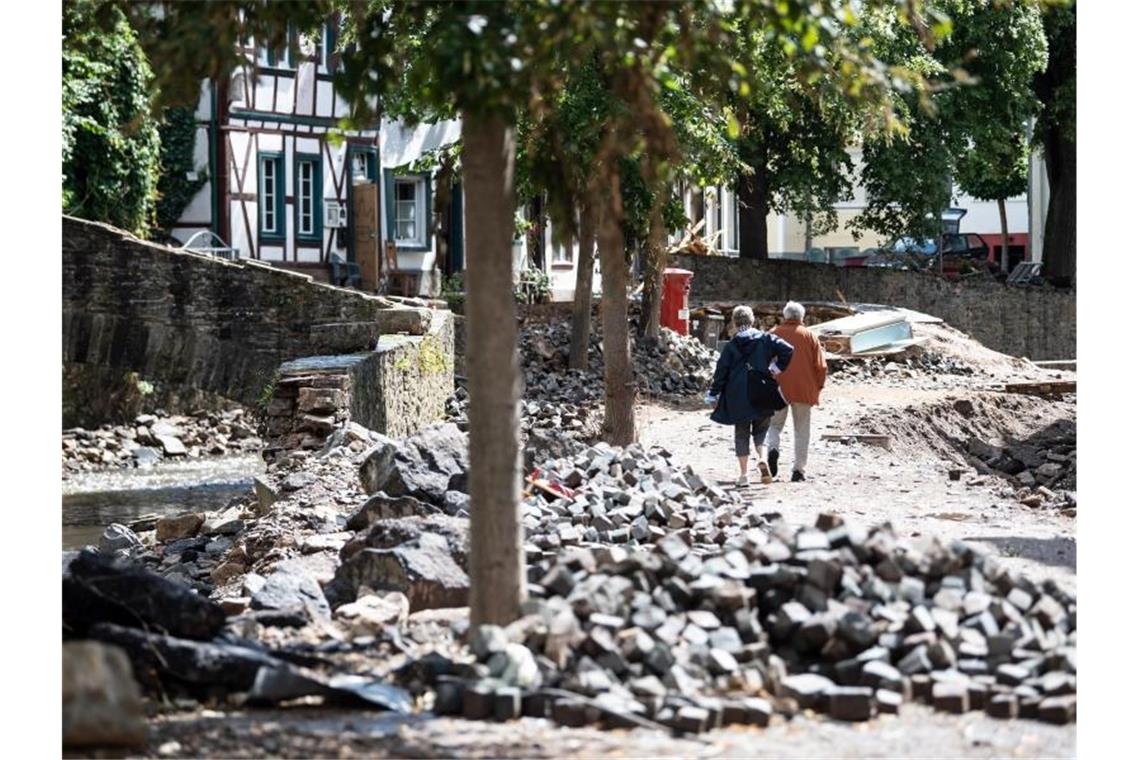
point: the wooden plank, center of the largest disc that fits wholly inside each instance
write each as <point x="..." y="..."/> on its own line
<point x="871" y="439"/>
<point x="1046" y="388"/>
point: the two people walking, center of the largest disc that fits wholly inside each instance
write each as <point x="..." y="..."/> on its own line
<point x="792" y="356"/>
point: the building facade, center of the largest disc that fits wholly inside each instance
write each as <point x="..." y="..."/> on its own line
<point x="288" y="186"/>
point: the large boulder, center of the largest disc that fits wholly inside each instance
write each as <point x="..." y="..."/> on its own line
<point x="381" y="506"/>
<point x="425" y="465"/>
<point x="423" y="557"/>
<point x="425" y="573"/>
<point x="102" y="706"/>
<point x="288" y="588"/>
<point x="386" y="534"/>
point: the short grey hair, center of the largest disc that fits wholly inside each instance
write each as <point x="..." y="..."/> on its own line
<point x="742" y="317"/>
<point x="793" y="310"/>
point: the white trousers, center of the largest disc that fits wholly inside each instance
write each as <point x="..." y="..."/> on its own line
<point x="801" y="420"/>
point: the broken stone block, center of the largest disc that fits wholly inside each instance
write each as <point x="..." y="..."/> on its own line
<point x="887" y="701"/>
<point x="118" y="538"/>
<point x="428" y="576"/>
<point x="691" y="719"/>
<point x="507" y="704"/>
<point x="266" y="494"/>
<point x="1002" y="705"/>
<point x="381" y="506"/>
<point x="1061" y="709"/>
<point x="184" y="525"/>
<point x="102" y="705"/>
<point x="951" y="697"/>
<point x="853" y="703"/>
<point x="809" y="690"/>
<point x="478" y="702"/>
<point x="370" y="614"/>
<point x="289" y="589"/>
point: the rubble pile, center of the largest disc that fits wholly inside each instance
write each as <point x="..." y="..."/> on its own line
<point x="155" y="437"/>
<point x="625" y="496"/>
<point x="655" y="599"/>
<point x="904" y="368"/>
<point x="670" y="365"/>
<point x="550" y="428"/>
<point x="1044" y="468"/>
<point x="828" y="618"/>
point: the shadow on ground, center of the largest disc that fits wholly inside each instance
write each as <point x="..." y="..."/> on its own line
<point x="1060" y="551"/>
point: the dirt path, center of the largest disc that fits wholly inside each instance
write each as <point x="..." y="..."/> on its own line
<point x="909" y="485"/>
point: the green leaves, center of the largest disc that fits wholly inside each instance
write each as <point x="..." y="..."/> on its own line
<point x="110" y="146"/>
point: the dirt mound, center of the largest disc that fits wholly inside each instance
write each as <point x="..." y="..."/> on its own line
<point x="1028" y="440"/>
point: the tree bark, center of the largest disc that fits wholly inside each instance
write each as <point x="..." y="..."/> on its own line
<point x="1004" y="235"/>
<point x="498" y="581"/>
<point x="649" y="325"/>
<point x="752" y="192"/>
<point x="1059" y="251"/>
<point x="583" y="287"/>
<point x="619" y="427"/>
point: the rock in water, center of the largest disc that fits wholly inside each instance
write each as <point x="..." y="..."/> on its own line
<point x="102" y="706"/>
<point x="118" y="538"/>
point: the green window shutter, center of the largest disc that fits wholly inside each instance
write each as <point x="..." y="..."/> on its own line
<point x="456" y="227"/>
<point x="429" y="225"/>
<point x="390" y="203"/>
<point x="318" y="192"/>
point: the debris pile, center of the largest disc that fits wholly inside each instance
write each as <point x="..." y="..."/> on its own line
<point x="918" y="364"/>
<point x="625" y="496"/>
<point x="550" y="429"/>
<point x="1047" y="462"/>
<point x="828" y="618"/>
<point x="155" y="437"/>
<point x="670" y="365"/>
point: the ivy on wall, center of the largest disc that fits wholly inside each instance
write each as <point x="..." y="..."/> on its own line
<point x="110" y="141"/>
<point x="178" y="181"/>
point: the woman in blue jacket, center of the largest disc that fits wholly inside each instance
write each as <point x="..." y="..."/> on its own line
<point x="729" y="390"/>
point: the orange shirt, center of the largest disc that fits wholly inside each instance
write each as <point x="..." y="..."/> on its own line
<point x="802" y="381"/>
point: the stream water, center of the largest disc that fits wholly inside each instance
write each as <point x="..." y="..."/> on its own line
<point x="92" y="501"/>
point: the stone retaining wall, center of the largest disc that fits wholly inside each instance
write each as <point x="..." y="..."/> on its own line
<point x="1037" y="322"/>
<point x="192" y="323"/>
<point x="396" y="389"/>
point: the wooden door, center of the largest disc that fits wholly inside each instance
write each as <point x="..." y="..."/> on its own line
<point x="366" y="234"/>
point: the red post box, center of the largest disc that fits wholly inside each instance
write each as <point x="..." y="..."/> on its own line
<point x="675" y="300"/>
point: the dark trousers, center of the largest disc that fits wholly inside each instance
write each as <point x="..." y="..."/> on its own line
<point x="758" y="428"/>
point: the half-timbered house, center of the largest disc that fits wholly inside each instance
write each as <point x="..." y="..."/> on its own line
<point x="295" y="189"/>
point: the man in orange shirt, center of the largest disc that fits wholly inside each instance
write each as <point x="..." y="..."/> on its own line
<point x="800" y="384"/>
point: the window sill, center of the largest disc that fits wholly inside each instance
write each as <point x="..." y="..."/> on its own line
<point x="412" y="247"/>
<point x="270" y="237"/>
<point x="562" y="265"/>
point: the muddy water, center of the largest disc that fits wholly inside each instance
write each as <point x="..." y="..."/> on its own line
<point x="91" y="501"/>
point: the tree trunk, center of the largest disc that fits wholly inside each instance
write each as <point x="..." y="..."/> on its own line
<point x="1004" y="235"/>
<point x="752" y="192"/>
<point x="583" y="287"/>
<point x="1059" y="251"/>
<point x="649" y="325"/>
<point x="619" y="427"/>
<point x="498" y="581"/>
<point x="442" y="203"/>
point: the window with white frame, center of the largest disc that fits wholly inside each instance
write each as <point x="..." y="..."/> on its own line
<point x="730" y="221"/>
<point x="308" y="196"/>
<point x="410" y="212"/>
<point x="562" y="251"/>
<point x="271" y="198"/>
